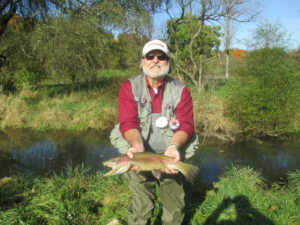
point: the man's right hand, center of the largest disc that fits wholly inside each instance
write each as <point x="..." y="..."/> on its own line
<point x="134" y="149"/>
<point x="130" y="153"/>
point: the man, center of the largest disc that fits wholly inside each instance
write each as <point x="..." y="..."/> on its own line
<point x="156" y="115"/>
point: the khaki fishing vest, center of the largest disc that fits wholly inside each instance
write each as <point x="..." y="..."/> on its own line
<point x="171" y="97"/>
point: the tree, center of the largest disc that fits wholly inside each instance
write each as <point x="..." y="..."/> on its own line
<point x="206" y="12"/>
<point x="192" y="46"/>
<point x="83" y="43"/>
<point x="73" y="48"/>
<point x="236" y="11"/>
<point x="264" y="99"/>
<point x="26" y="8"/>
<point x="269" y="35"/>
<point x="195" y="29"/>
<point x="129" y="51"/>
<point x="69" y="38"/>
<point x="16" y="53"/>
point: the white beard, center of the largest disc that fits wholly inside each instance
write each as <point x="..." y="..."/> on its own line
<point x="161" y="73"/>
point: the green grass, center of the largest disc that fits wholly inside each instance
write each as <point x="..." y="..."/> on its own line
<point x="114" y="73"/>
<point x="66" y="106"/>
<point x="90" y="109"/>
<point x="71" y="198"/>
<point x="241" y="197"/>
<point x="77" y="197"/>
<point x="84" y="105"/>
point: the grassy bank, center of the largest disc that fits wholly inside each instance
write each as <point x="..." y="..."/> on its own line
<point x="75" y="111"/>
<point x="67" y="106"/>
<point x="93" y="105"/>
<point x="97" y="109"/>
<point x="73" y="108"/>
<point x="76" y="197"/>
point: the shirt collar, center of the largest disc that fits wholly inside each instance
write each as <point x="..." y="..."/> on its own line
<point x="162" y="84"/>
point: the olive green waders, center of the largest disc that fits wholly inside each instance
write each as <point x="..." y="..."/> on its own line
<point x="142" y="187"/>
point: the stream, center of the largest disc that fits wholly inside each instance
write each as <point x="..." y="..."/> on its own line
<point x="37" y="153"/>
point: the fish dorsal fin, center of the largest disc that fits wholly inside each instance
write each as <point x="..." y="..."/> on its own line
<point x="156" y="174"/>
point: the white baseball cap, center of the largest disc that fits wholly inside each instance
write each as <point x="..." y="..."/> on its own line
<point x="155" y="45"/>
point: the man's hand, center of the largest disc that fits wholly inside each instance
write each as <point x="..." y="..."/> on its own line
<point x="130" y="153"/>
<point x="134" y="149"/>
<point x="172" y="151"/>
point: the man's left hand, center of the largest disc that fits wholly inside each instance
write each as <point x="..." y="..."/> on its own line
<point x="172" y="151"/>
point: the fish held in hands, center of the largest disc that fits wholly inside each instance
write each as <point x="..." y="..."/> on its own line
<point x="147" y="161"/>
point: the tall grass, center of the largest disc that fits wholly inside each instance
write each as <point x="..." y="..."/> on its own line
<point x="241" y="197"/>
<point x="75" y="111"/>
<point x="77" y="197"/>
<point x="71" y="198"/>
<point x="72" y="106"/>
<point x="211" y="119"/>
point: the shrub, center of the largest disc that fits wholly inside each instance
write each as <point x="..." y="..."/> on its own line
<point x="24" y="78"/>
<point x="263" y="100"/>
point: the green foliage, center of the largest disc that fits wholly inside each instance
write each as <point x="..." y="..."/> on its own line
<point x="77" y="197"/>
<point x="16" y="54"/>
<point x="27" y="8"/>
<point x="23" y="78"/>
<point x="130" y="48"/>
<point x="70" y="40"/>
<point x="72" y="46"/>
<point x="71" y="198"/>
<point x="269" y="35"/>
<point x="263" y="100"/>
<point x="193" y="45"/>
<point x="180" y="35"/>
<point x="240" y="197"/>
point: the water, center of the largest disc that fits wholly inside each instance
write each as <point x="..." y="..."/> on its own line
<point x="37" y="153"/>
<point x="273" y="161"/>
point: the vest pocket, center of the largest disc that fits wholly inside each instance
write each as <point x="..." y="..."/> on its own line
<point x="144" y="110"/>
<point x="118" y="141"/>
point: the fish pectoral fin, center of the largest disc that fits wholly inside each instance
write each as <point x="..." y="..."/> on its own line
<point x="156" y="174"/>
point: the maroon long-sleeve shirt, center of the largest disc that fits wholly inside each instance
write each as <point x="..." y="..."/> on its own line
<point x="128" y="109"/>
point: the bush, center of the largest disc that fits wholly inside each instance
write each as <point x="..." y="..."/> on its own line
<point x="24" y="78"/>
<point x="263" y="100"/>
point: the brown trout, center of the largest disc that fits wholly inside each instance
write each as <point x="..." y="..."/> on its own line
<point x="147" y="161"/>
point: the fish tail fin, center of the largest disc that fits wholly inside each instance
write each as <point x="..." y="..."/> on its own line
<point x="188" y="170"/>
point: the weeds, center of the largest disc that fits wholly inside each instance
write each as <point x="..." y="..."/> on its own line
<point x="77" y="197"/>
<point x="71" y="198"/>
<point x="76" y="111"/>
<point x="211" y="120"/>
<point x="241" y="197"/>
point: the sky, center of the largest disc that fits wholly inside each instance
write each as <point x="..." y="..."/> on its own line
<point x="285" y="12"/>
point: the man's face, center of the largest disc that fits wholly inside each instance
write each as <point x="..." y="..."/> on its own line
<point x="155" y="64"/>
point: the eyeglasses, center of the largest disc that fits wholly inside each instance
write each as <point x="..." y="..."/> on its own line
<point x="161" y="57"/>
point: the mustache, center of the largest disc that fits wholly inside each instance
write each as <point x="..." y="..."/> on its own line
<point x="155" y="65"/>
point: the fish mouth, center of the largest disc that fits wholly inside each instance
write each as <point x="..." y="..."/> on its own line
<point x="105" y="163"/>
<point x="118" y="169"/>
<point x="109" y="164"/>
